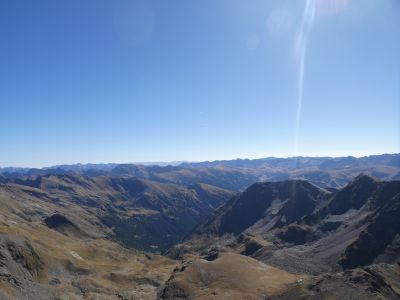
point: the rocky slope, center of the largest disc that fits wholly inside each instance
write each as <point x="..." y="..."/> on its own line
<point x="343" y="242"/>
<point x="270" y="204"/>
<point x="52" y="249"/>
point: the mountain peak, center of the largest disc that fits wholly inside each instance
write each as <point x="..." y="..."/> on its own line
<point x="365" y="178"/>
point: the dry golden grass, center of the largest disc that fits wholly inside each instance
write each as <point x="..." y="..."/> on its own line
<point x="101" y="266"/>
<point x="232" y="276"/>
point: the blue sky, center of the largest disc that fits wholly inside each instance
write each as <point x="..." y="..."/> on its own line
<point x="128" y="81"/>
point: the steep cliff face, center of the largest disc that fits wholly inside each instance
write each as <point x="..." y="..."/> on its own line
<point x="382" y="233"/>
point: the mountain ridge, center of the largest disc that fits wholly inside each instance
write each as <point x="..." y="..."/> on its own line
<point x="237" y="175"/>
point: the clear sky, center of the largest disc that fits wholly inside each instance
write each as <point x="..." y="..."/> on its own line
<point x="155" y="80"/>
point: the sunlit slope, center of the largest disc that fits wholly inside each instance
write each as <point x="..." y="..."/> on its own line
<point x="42" y="263"/>
<point x="230" y="276"/>
<point x="140" y="213"/>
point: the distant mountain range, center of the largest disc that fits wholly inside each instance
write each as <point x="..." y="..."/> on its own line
<point x="290" y="162"/>
<point x="237" y="174"/>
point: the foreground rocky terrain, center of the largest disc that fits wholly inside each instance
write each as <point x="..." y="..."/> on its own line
<point x="66" y="235"/>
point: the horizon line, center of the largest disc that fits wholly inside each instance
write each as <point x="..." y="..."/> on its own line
<point x="179" y="162"/>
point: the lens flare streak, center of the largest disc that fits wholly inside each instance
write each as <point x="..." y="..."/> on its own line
<point x="300" y="54"/>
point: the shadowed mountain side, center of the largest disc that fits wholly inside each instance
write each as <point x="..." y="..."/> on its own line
<point x="306" y="228"/>
<point x="383" y="232"/>
<point x="277" y="203"/>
